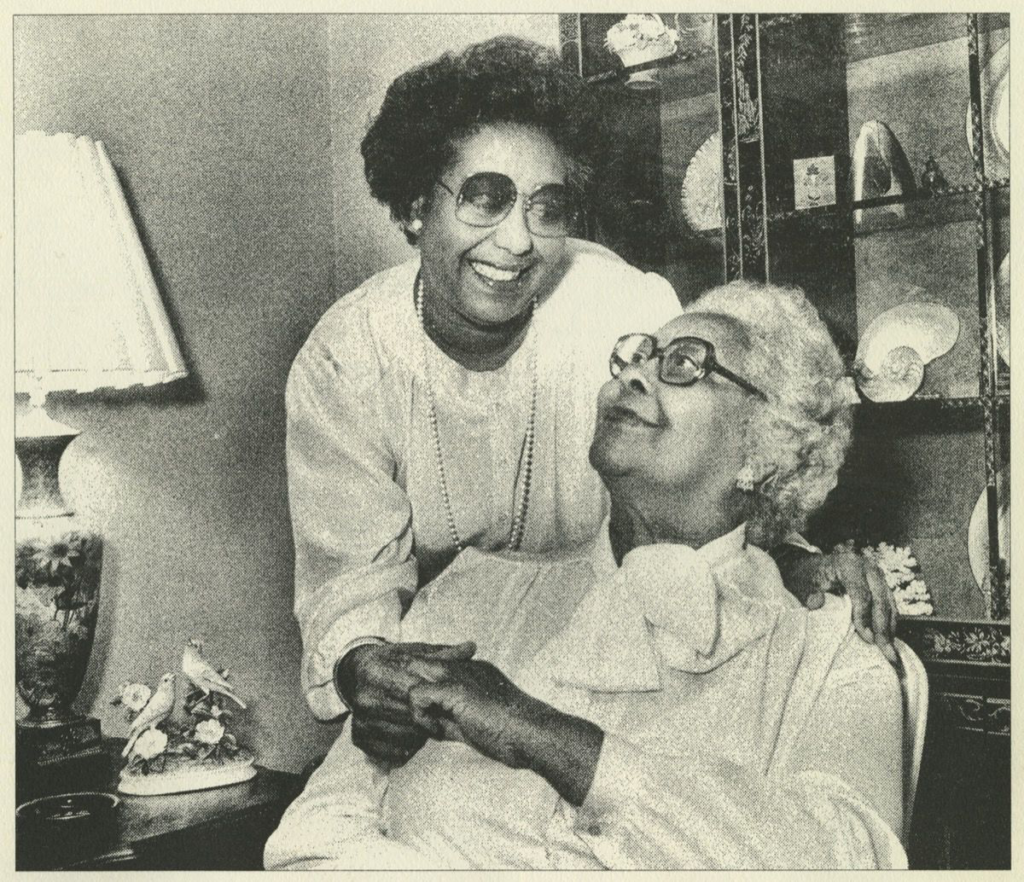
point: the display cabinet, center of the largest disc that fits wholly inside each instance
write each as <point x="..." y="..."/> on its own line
<point x="864" y="157"/>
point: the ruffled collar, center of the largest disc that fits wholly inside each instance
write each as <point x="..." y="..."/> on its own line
<point x="692" y="608"/>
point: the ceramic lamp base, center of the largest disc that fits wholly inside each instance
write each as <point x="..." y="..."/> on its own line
<point x="57" y="566"/>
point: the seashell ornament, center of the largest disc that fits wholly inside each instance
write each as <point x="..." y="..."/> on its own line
<point x="898" y="377"/>
<point x="880" y="168"/>
<point x="896" y="346"/>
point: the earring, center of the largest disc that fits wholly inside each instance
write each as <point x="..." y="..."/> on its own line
<point x="745" y="479"/>
<point x="415" y="226"/>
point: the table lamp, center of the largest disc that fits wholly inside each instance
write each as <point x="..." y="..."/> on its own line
<point x="87" y="316"/>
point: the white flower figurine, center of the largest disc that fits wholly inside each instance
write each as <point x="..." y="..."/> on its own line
<point x="641" y="37"/>
<point x="899" y="560"/>
<point x="899" y="567"/>
<point x="209" y="732"/>
<point x="150" y="744"/>
<point x="134" y="696"/>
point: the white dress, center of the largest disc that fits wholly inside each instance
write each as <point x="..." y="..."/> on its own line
<point x="367" y="513"/>
<point x="742" y="730"/>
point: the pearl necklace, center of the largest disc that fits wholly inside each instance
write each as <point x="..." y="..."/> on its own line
<point x="519" y="520"/>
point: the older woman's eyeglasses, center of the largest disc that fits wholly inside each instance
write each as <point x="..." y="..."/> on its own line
<point x="487" y="198"/>
<point x="681" y="362"/>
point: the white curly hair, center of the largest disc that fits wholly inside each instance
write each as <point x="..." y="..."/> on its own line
<point x="795" y="444"/>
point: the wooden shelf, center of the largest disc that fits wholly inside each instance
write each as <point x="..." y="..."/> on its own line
<point x="979" y="642"/>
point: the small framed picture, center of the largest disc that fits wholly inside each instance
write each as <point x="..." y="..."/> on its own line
<point x="814" y="182"/>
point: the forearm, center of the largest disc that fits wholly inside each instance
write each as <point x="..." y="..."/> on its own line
<point x="562" y="749"/>
<point x="336" y="615"/>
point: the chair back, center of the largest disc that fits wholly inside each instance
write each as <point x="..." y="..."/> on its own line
<point x="914" y="683"/>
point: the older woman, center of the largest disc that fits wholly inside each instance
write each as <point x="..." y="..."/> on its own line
<point x="448" y="402"/>
<point x="657" y="699"/>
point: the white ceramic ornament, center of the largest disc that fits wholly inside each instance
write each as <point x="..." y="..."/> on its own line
<point x="897" y="345"/>
<point x="880" y="168"/>
<point x="897" y="378"/>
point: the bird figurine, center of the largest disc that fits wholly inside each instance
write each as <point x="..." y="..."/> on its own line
<point x="157" y="709"/>
<point x="203" y="675"/>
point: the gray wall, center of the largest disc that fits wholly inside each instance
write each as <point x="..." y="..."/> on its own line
<point x="230" y="135"/>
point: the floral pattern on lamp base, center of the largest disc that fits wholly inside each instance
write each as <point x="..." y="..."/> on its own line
<point x="57" y="576"/>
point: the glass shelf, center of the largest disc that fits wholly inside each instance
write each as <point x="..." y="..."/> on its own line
<point x="933" y="201"/>
<point x="933" y="212"/>
<point x="692" y="69"/>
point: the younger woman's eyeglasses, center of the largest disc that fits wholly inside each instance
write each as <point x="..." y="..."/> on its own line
<point x="681" y="362"/>
<point x="487" y="198"/>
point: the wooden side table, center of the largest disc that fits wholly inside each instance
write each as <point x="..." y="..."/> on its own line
<point x="220" y="829"/>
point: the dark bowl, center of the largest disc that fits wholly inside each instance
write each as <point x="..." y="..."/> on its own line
<point x="65" y="810"/>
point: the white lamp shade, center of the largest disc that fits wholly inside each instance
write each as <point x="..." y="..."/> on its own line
<point x="87" y="310"/>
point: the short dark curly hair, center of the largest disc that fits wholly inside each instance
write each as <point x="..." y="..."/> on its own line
<point x="430" y="108"/>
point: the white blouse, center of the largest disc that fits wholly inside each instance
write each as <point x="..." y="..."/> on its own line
<point x="367" y="513"/>
<point x="742" y="730"/>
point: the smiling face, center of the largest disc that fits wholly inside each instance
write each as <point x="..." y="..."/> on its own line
<point x="676" y="448"/>
<point x="480" y="278"/>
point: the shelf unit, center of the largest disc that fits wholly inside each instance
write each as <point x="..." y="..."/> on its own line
<point x="781" y="89"/>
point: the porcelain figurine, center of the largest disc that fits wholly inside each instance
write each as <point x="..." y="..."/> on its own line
<point x="893" y="351"/>
<point x="880" y="168"/>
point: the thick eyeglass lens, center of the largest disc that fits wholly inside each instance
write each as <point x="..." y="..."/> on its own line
<point x="486" y="199"/>
<point x="631" y="349"/>
<point x="550" y="211"/>
<point x="683" y="362"/>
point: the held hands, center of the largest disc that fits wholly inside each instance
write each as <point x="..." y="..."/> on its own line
<point x="874" y="612"/>
<point x="374" y="681"/>
<point x="403" y="693"/>
<point x="475" y="703"/>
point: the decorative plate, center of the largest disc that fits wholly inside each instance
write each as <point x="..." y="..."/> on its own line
<point x="995" y="109"/>
<point x="702" y="186"/>
<point x="977" y="536"/>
